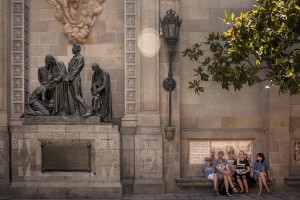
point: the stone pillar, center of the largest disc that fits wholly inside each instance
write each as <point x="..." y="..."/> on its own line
<point x="4" y="137"/>
<point x="19" y="74"/>
<point x="129" y="121"/>
<point x="148" y="138"/>
<point x="131" y="59"/>
<point x="278" y="136"/>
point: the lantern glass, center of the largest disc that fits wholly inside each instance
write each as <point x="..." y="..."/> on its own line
<point x="166" y="31"/>
<point x="172" y="27"/>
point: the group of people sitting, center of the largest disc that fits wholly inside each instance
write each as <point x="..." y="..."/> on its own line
<point x="240" y="170"/>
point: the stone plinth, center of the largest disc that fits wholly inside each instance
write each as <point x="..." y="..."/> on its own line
<point x="63" y="120"/>
<point x="148" y="161"/>
<point x="28" y="180"/>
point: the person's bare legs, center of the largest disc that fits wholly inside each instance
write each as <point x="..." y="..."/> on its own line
<point x="231" y="184"/>
<point x="238" y="179"/>
<point x="263" y="179"/>
<point x="245" y="183"/>
<point x="260" y="185"/>
<point x="215" y="182"/>
<point x="226" y="183"/>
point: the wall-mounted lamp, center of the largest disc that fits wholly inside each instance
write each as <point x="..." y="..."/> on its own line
<point x="170" y="25"/>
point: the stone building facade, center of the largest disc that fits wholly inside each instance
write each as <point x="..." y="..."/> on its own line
<point x="126" y="41"/>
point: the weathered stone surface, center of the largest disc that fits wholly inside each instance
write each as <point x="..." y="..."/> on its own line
<point x="27" y="162"/>
<point x="63" y="120"/>
<point x="4" y="160"/>
<point x="148" y="186"/>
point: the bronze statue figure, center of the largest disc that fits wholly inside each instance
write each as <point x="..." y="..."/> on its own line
<point x="51" y="97"/>
<point x="101" y="91"/>
<point x="58" y="90"/>
<point x="40" y="102"/>
<point x="74" y="82"/>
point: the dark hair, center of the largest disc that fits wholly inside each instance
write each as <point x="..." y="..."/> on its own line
<point x="77" y="46"/>
<point x="262" y="156"/>
<point x="49" y="57"/>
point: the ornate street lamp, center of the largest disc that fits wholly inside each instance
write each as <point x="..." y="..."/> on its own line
<point x="170" y="25"/>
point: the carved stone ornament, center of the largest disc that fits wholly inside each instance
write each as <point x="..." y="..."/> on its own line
<point x="77" y="16"/>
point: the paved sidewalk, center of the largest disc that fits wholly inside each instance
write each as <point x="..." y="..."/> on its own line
<point x="204" y="196"/>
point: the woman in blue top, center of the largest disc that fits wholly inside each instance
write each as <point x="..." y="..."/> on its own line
<point x="208" y="172"/>
<point x="261" y="170"/>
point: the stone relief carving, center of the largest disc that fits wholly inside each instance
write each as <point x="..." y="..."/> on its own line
<point x="17" y="33"/>
<point x="18" y="20"/>
<point x="130" y="96"/>
<point x="130" y="8"/>
<point x="296" y="149"/>
<point x="17" y="45"/>
<point x="131" y="58"/>
<point x="130" y="45"/>
<point x="77" y="16"/>
<point x="130" y="70"/>
<point x="17" y="58"/>
<point x="131" y="83"/>
<point x="18" y="8"/>
<point x="131" y="108"/>
<point x="130" y="33"/>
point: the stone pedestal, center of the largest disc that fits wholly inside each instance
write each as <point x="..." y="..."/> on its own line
<point x="148" y="161"/>
<point x="102" y="182"/>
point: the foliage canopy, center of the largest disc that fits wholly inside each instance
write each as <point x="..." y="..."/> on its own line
<point x="260" y="45"/>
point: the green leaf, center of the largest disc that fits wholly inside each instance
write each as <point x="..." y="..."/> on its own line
<point x="257" y="62"/>
<point x="225" y="19"/>
<point x="260" y="44"/>
<point x="232" y="16"/>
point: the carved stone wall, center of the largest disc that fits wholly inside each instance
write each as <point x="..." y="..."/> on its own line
<point x="103" y="182"/>
<point x="19" y="76"/>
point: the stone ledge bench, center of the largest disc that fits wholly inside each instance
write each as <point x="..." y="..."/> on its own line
<point x="293" y="182"/>
<point x="192" y="182"/>
<point x="189" y="182"/>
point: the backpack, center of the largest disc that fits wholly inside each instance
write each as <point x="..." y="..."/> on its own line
<point x="222" y="189"/>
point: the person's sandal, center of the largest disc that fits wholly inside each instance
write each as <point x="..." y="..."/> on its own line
<point x="234" y="189"/>
<point x="267" y="189"/>
<point x="228" y="194"/>
<point x="247" y="193"/>
<point x="259" y="193"/>
<point x="242" y="192"/>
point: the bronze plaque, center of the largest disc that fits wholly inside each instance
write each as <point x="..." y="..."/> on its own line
<point x="66" y="157"/>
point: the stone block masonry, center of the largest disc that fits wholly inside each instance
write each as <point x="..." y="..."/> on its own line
<point x="28" y="180"/>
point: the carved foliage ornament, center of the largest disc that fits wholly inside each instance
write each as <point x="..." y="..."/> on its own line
<point x="77" y="16"/>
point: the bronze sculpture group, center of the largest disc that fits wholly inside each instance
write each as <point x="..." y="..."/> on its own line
<point x="60" y="94"/>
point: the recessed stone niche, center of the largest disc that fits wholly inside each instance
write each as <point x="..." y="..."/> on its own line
<point x="199" y="149"/>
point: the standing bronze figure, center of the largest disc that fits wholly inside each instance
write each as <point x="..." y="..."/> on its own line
<point x="74" y="81"/>
<point x="101" y="91"/>
<point x="57" y="86"/>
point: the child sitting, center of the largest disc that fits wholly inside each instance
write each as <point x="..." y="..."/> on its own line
<point x="208" y="172"/>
